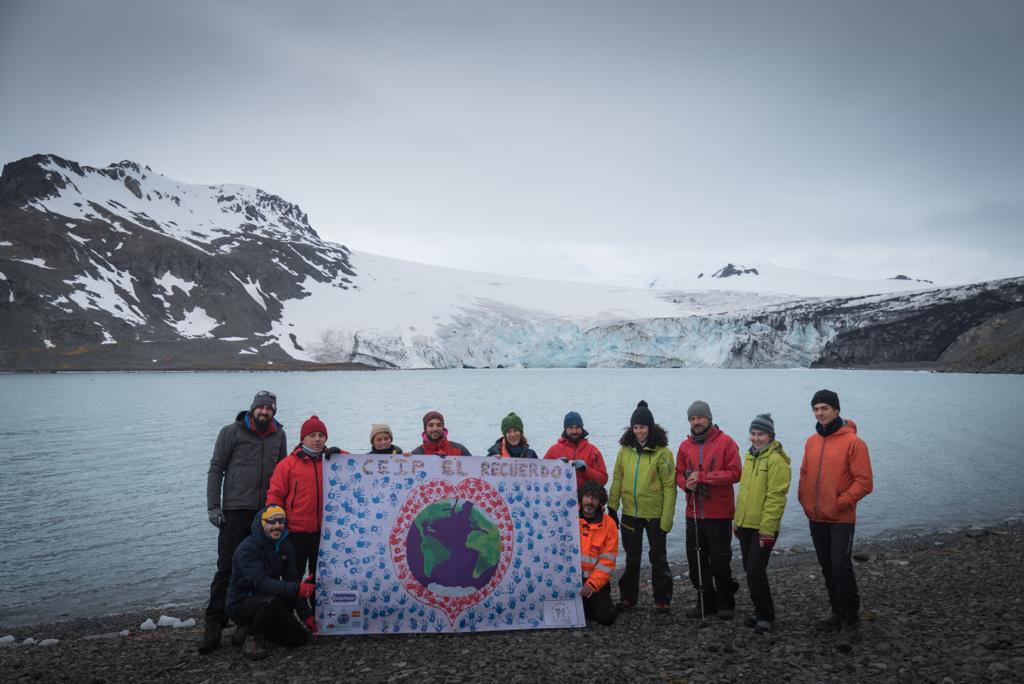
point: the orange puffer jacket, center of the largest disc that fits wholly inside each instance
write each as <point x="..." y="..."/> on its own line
<point x="834" y="475"/>
<point x="297" y="484"/>
<point x="599" y="545"/>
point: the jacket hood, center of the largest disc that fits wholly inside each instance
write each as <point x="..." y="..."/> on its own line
<point x="257" y="531"/>
<point x="713" y="433"/>
<point x="242" y="419"/>
<point x="773" y="447"/>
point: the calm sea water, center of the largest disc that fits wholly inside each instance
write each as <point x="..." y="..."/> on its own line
<point x="105" y="473"/>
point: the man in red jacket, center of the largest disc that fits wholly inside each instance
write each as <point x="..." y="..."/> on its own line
<point x="435" y="438"/>
<point x="707" y="466"/>
<point x="834" y="475"/>
<point x="573" y="448"/>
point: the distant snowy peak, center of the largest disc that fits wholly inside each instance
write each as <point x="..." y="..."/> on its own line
<point x="900" y="276"/>
<point x="209" y="217"/>
<point x="731" y="271"/>
<point x="771" y="279"/>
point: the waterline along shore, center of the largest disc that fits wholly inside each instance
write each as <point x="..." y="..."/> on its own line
<point x="943" y="606"/>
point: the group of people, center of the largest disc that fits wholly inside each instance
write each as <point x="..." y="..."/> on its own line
<point x="266" y="502"/>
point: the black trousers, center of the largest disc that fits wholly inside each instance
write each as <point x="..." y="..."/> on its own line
<point x="633" y="530"/>
<point x="235" y="528"/>
<point x="273" y="618"/>
<point x="307" y="550"/>
<point x="755" y="565"/>
<point x="599" y="607"/>
<point x="715" y="571"/>
<point x="833" y="544"/>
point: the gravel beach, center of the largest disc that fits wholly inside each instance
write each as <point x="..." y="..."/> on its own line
<point x="939" y="607"/>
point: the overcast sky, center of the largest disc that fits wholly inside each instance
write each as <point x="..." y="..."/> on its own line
<point x="616" y="139"/>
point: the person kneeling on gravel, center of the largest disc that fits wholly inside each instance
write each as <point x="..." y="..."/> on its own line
<point x="265" y="591"/>
<point x="599" y="545"/>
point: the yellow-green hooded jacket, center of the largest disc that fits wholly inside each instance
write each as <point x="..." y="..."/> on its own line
<point x="763" y="488"/>
<point x="645" y="483"/>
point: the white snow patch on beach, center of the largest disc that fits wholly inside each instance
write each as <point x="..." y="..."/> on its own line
<point x="48" y="344"/>
<point x="6" y="243"/>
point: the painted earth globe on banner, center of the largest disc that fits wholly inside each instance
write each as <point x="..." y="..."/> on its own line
<point x="453" y="547"/>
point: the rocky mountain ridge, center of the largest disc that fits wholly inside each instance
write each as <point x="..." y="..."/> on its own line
<point x="122" y="268"/>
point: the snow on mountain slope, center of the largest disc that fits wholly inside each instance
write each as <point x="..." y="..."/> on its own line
<point x="120" y="258"/>
<point x="768" y="278"/>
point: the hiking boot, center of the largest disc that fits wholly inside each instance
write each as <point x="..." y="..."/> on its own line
<point x="726" y="614"/>
<point x="625" y="606"/>
<point x="254" y="648"/>
<point x="211" y="638"/>
<point x="238" y="637"/>
<point x="662" y="608"/>
<point x="762" y="627"/>
<point x="851" y="631"/>
<point x="833" y="623"/>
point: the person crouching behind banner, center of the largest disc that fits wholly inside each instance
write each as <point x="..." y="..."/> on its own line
<point x="435" y="438"/>
<point x="599" y="545"/>
<point x="264" y="592"/>
<point x="512" y="443"/>
<point x="297" y="485"/>
<point x="380" y="440"/>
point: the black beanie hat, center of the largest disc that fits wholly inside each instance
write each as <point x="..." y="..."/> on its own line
<point x="826" y="397"/>
<point x="642" y="415"/>
<point x="264" y="398"/>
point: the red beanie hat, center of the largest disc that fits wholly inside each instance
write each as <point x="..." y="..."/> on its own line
<point x="431" y="415"/>
<point x="313" y="424"/>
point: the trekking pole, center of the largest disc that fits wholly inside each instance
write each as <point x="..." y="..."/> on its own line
<point x="700" y="573"/>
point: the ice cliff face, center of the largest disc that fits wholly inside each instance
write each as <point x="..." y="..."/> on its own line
<point x="120" y="267"/>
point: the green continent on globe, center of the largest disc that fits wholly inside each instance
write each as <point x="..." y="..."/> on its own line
<point x="486" y="540"/>
<point x="434" y="552"/>
<point x="452" y="527"/>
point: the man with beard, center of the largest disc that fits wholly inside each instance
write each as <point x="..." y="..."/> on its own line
<point x="572" y="447"/>
<point x="834" y="475"/>
<point x="707" y="466"/>
<point x="435" y="438"/>
<point x="244" y="458"/>
<point x="265" y="592"/>
<point x="599" y="545"/>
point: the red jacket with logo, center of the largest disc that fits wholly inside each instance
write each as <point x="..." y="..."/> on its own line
<point x="834" y="475"/>
<point x="581" y="451"/>
<point x="297" y="485"/>
<point x="717" y="462"/>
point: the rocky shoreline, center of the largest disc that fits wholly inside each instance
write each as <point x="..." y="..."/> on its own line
<point x="939" y="607"/>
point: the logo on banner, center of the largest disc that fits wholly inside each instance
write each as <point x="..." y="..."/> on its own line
<point x="452" y="544"/>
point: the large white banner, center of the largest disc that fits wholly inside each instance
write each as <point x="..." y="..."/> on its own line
<point x="456" y="544"/>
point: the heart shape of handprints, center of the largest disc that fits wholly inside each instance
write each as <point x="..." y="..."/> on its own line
<point x="448" y="576"/>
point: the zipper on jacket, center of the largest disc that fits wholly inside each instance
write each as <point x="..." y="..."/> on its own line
<point x="636" y="479"/>
<point x="817" y="483"/>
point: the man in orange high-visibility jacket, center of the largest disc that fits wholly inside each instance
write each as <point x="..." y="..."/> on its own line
<point x="599" y="545"/>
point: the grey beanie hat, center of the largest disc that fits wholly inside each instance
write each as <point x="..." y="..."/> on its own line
<point x="264" y="398"/>
<point x="699" y="408"/>
<point x="764" y="423"/>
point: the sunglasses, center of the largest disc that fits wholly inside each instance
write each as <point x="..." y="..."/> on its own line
<point x="275" y="521"/>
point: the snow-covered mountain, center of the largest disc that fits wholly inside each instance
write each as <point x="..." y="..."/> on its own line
<point x="791" y="281"/>
<point x="121" y="267"/>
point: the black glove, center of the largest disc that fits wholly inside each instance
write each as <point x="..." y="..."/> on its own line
<point x="614" y="516"/>
<point x="216" y="517"/>
<point x="333" y="451"/>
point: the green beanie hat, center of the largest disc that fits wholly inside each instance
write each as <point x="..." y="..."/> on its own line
<point x="511" y="421"/>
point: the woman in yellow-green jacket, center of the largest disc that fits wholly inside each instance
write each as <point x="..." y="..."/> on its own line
<point x="759" y="506"/>
<point x="644" y="483"/>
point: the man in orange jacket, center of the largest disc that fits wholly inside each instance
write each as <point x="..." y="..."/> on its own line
<point x="834" y="475"/>
<point x="599" y="545"/>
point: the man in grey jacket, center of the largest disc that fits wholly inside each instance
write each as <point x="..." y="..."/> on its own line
<point x="244" y="458"/>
